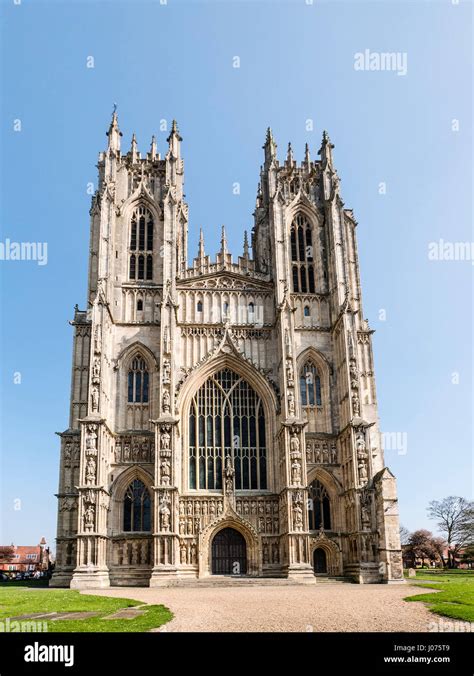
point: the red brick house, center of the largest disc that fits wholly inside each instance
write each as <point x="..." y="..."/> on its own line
<point x="25" y="558"/>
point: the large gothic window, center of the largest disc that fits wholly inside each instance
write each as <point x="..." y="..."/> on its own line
<point x="302" y="258"/>
<point x="226" y="419"/>
<point x="319" y="507"/>
<point x="141" y="245"/>
<point x="137" y="508"/>
<point x="138" y="381"/>
<point x="310" y="385"/>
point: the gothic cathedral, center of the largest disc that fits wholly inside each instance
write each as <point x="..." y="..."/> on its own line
<point x="223" y="416"/>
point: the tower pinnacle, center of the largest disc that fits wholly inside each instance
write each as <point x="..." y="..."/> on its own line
<point x="114" y="133"/>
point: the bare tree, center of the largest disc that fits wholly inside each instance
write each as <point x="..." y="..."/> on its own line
<point x="404" y="535"/>
<point x="455" y="519"/>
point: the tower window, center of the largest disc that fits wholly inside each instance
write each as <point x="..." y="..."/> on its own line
<point x="199" y="306"/>
<point x="302" y="255"/>
<point x="319" y="507"/>
<point x="310" y="385"/>
<point x="137" y="508"/>
<point x="139" y="304"/>
<point x="138" y="382"/>
<point x="141" y="244"/>
<point x="307" y="312"/>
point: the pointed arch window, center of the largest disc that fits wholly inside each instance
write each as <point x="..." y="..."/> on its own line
<point x="319" y="507"/>
<point x="310" y="385"/>
<point x="302" y="255"/>
<point x="137" y="508"/>
<point x="226" y="419"/>
<point x="141" y="244"/>
<point x="138" y="381"/>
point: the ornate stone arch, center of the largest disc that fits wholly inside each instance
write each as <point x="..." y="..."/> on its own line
<point x="230" y="520"/>
<point x="121" y="367"/>
<point x="117" y="491"/>
<point x="132" y="350"/>
<point x="261" y="386"/>
<point x="332" y="551"/>
<point x="334" y="490"/>
<point x="325" y="372"/>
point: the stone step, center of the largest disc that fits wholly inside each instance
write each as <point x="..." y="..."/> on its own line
<point x="231" y="581"/>
<point x="235" y="581"/>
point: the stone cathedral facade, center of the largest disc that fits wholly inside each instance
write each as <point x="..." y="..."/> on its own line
<point x="223" y="415"/>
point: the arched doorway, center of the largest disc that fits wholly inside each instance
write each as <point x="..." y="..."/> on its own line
<point x="320" y="562"/>
<point x="229" y="553"/>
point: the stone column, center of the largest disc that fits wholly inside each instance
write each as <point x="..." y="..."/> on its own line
<point x="91" y="570"/>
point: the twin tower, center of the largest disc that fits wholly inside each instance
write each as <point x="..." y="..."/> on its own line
<point x="223" y="415"/>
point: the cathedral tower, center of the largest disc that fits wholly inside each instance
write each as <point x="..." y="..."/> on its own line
<point x="223" y="416"/>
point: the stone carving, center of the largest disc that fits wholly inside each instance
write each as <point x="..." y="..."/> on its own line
<point x="166" y="341"/>
<point x="287" y="342"/>
<point x="295" y="455"/>
<point x="298" y="511"/>
<point x="165" y="469"/>
<point x="165" y="512"/>
<point x="290" y="375"/>
<point x="136" y="448"/>
<point x="91" y="439"/>
<point x="362" y="457"/>
<point x="165" y="404"/>
<point x="356" y="404"/>
<point x="321" y="452"/>
<point x="89" y="518"/>
<point x="96" y="369"/>
<point x="291" y="404"/>
<point x="166" y="371"/>
<point x="229" y="475"/>
<point x="165" y="437"/>
<point x="90" y="470"/>
<point x="97" y="339"/>
<point x="354" y="373"/>
<point x="95" y="398"/>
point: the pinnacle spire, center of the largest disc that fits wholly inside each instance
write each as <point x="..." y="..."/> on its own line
<point x="307" y="156"/>
<point x="246" y="245"/>
<point x="153" y="147"/>
<point x="201" y="253"/>
<point x="269" y="147"/>
<point x="289" y="155"/>
<point x="114" y="132"/>
<point x="133" y="147"/>
<point x="223" y="241"/>
<point x="326" y="149"/>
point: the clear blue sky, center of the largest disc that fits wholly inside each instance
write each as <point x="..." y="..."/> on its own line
<point x="296" y="63"/>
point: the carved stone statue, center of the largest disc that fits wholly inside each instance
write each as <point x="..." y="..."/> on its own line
<point x="229" y="475"/>
<point x="165" y="472"/>
<point x="90" y="470"/>
<point x="91" y="438"/>
<point x="290" y="372"/>
<point x="166" y="370"/>
<point x="291" y="403"/>
<point x="356" y="403"/>
<point x="166" y="401"/>
<point x="89" y="515"/>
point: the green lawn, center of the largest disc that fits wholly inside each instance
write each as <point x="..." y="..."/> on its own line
<point x="16" y="601"/>
<point x="455" y="598"/>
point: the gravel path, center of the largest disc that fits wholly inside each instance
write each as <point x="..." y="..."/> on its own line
<point x="344" y="607"/>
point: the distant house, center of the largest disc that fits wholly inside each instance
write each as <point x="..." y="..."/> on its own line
<point x="22" y="559"/>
